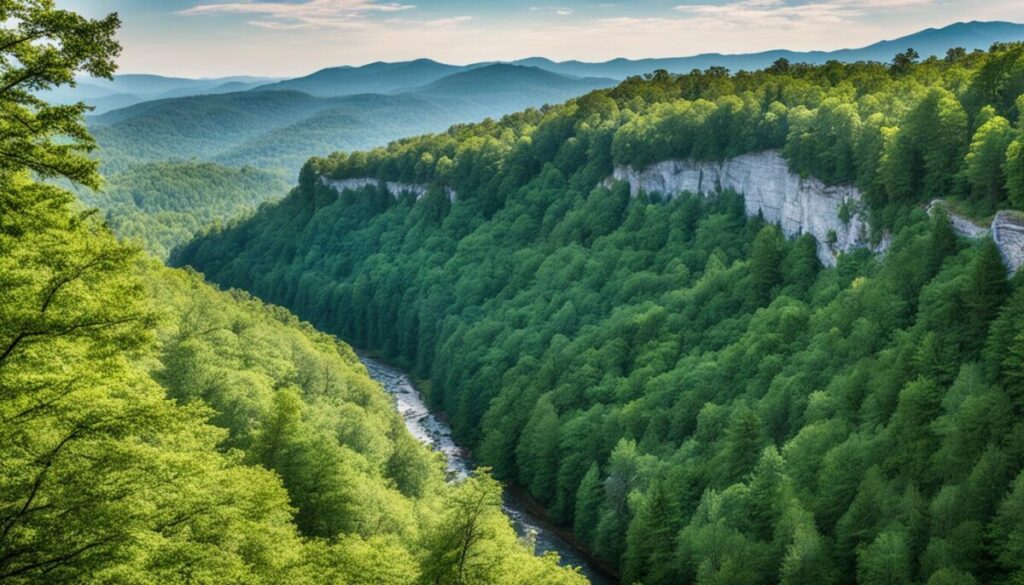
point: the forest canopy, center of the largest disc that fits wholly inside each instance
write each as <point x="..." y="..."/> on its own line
<point x="691" y="393"/>
<point x="904" y="133"/>
<point x="154" y="430"/>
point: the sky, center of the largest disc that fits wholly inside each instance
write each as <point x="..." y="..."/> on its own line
<point x="284" y="38"/>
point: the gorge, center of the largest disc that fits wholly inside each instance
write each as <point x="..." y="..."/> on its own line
<point x="834" y="215"/>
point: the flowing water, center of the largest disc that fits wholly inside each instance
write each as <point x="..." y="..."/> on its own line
<point x="434" y="432"/>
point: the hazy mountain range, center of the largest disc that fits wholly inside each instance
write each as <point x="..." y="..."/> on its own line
<point x="279" y="130"/>
<point x="155" y="126"/>
<point x="388" y="78"/>
<point x="928" y="43"/>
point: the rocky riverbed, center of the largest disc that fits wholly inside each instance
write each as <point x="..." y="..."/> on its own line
<point x="435" y="432"/>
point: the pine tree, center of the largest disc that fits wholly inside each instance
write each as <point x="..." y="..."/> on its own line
<point x="886" y="561"/>
<point x="986" y="291"/>
<point x="589" y="497"/>
<point x="766" y="264"/>
<point x="1007" y="533"/>
<point x="744" y="441"/>
<point x="943" y="240"/>
<point x="807" y="560"/>
<point x="537" y="453"/>
<point x="1013" y="166"/>
<point x="651" y="539"/>
<point x="767" y="495"/>
<point x="1013" y="373"/>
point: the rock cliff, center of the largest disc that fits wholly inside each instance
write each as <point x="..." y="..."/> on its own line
<point x="1008" y="232"/>
<point x="1007" y="229"/>
<point x="393" y="187"/>
<point x="833" y="215"/>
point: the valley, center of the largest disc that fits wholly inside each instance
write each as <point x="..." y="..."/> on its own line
<point x="428" y="429"/>
<point x="744" y="318"/>
<point x="756" y="335"/>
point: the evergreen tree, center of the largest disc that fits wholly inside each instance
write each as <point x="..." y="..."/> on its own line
<point x="767" y="495"/>
<point x="744" y="441"/>
<point x="886" y="561"/>
<point x="986" y="290"/>
<point x="589" y="497"/>
<point x="1008" y="532"/>
<point x="537" y="453"/>
<point x="766" y="264"/>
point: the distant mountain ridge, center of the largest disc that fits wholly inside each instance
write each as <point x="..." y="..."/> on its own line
<point x="392" y="77"/>
<point x="928" y="42"/>
<point x="401" y="77"/>
<point x="280" y="130"/>
<point x="225" y="125"/>
<point x="376" y="77"/>
<point x="126" y="90"/>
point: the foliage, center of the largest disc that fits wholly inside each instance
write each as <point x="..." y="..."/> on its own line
<point x="691" y="392"/>
<point x="166" y="204"/>
<point x="155" y="430"/>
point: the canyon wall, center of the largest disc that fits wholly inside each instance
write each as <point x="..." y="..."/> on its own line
<point x="833" y="215"/>
<point x="1007" y="229"/>
<point x="1008" y="232"/>
<point x="393" y="187"/>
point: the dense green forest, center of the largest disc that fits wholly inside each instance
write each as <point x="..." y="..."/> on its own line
<point x="155" y="430"/>
<point x="280" y="130"/>
<point x="178" y="166"/>
<point x="691" y="393"/>
<point x="166" y="204"/>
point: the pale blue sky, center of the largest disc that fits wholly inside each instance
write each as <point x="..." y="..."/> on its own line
<point x="293" y="37"/>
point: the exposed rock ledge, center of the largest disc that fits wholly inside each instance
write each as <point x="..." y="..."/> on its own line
<point x="1007" y="229"/>
<point x="393" y="187"/>
<point x="797" y="205"/>
<point x="804" y="205"/>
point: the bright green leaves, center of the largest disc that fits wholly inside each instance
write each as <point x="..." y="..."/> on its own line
<point x="42" y="47"/>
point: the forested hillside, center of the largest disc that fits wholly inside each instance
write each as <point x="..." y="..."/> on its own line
<point x="211" y="158"/>
<point x="157" y="431"/>
<point x="165" y="204"/>
<point x="694" y="395"/>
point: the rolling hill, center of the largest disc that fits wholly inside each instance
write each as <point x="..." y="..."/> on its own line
<point x="124" y="91"/>
<point x="376" y="77"/>
<point x="249" y="145"/>
<point x="279" y="130"/>
<point x="401" y="77"/>
<point x="698" y="397"/>
<point x="276" y="127"/>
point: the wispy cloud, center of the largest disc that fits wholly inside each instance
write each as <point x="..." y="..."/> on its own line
<point x="789" y="14"/>
<point x="301" y="15"/>
<point x="556" y="10"/>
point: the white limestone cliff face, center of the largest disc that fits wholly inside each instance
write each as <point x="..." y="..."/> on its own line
<point x="1007" y="230"/>
<point x="797" y="205"/>
<point x="393" y="187"/>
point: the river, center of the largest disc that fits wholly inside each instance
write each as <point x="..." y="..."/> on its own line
<point x="434" y="432"/>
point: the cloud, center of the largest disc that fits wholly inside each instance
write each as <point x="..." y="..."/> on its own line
<point x="788" y="14"/>
<point x="302" y="15"/>
<point x="557" y="10"/>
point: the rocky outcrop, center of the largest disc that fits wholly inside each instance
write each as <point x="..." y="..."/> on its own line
<point x="1007" y="229"/>
<point x="798" y="205"/>
<point x="393" y="187"/>
<point x="834" y="215"/>
<point x="961" y="225"/>
<point x="1008" y="232"/>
